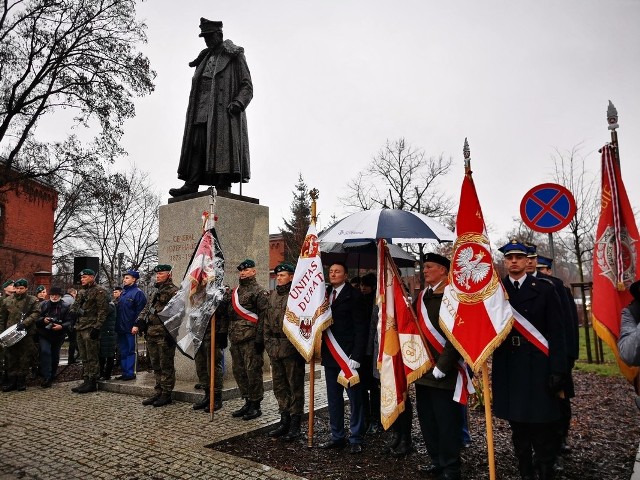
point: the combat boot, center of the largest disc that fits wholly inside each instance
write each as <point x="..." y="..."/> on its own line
<point x="10" y="385"/>
<point x="294" y="428"/>
<point x="283" y="426"/>
<point x="202" y="403"/>
<point x="150" y="400"/>
<point x="404" y="447"/>
<point x="78" y="387"/>
<point x="21" y="383"/>
<point x="392" y="443"/>
<point x="89" y="386"/>
<point x="242" y="410"/>
<point x="217" y="403"/>
<point x="253" y="411"/>
<point x="165" y="399"/>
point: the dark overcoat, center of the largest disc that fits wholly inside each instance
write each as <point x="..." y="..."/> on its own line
<point x="227" y="137"/>
<point x="350" y="327"/>
<point x="520" y="371"/>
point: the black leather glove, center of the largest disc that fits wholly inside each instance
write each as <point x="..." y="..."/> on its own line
<point x="555" y="383"/>
<point x="259" y="346"/>
<point x="221" y="340"/>
<point x="20" y="327"/>
<point x="94" y="334"/>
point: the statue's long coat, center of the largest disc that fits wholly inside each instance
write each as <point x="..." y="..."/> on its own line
<point x="227" y="138"/>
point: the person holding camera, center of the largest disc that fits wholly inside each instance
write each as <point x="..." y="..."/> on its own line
<point x="629" y="340"/>
<point x="52" y="325"/>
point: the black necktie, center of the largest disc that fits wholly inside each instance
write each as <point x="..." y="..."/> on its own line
<point x="333" y="297"/>
<point x="516" y="285"/>
<point x="429" y="291"/>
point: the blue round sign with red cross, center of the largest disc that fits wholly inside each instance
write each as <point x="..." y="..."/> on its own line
<point x="547" y="208"/>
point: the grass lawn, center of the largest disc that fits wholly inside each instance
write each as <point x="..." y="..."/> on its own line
<point x="608" y="368"/>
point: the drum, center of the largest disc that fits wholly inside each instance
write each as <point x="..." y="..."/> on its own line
<point x="11" y="336"/>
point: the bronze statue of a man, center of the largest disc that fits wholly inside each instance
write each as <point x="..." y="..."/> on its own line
<point x="215" y="146"/>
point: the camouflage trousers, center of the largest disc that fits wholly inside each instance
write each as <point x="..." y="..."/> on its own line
<point x="162" y="355"/>
<point x="18" y="357"/>
<point x="89" y="354"/>
<point x="247" y="370"/>
<point x="288" y="383"/>
<point x="203" y="365"/>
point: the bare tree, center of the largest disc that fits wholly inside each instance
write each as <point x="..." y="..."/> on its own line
<point x="76" y="55"/>
<point x="125" y="220"/>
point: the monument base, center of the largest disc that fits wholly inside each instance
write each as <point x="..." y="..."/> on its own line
<point x="243" y="230"/>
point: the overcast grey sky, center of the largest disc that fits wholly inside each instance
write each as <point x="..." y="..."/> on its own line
<point x="334" y="79"/>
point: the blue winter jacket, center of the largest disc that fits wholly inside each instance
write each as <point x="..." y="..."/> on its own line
<point x="131" y="302"/>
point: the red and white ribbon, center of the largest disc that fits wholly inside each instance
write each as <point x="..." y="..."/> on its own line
<point x="240" y="310"/>
<point x="346" y="377"/>
<point x="531" y="333"/>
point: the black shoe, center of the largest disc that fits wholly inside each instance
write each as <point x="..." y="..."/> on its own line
<point x="183" y="190"/>
<point x="151" y="400"/>
<point x="336" y="444"/>
<point x="90" y="386"/>
<point x="242" y="410"/>
<point x="21" y="384"/>
<point x="404" y="448"/>
<point x="9" y="387"/>
<point x="564" y="448"/>
<point x="199" y="386"/>
<point x="393" y="442"/>
<point x="104" y="378"/>
<point x="217" y="401"/>
<point x="253" y="412"/>
<point x="46" y="383"/>
<point x="294" y="428"/>
<point x="125" y="377"/>
<point x="164" y="399"/>
<point x="355" y="448"/>
<point x="429" y="469"/>
<point x="204" y="403"/>
<point x="374" y="427"/>
<point x="78" y="387"/>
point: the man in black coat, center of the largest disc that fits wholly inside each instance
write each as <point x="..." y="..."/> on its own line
<point x="527" y="382"/>
<point x="350" y="330"/>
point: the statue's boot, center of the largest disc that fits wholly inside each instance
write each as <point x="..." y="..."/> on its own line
<point x="183" y="190"/>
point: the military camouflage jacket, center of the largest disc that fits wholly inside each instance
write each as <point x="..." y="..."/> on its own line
<point x="148" y="319"/>
<point x="270" y="330"/>
<point x="252" y="297"/>
<point x="91" y="307"/>
<point x="12" y="308"/>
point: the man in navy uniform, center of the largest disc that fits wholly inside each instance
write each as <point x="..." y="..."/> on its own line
<point x="528" y="381"/>
<point x="350" y="330"/>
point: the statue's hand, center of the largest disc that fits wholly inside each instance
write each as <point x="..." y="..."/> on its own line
<point x="234" y="108"/>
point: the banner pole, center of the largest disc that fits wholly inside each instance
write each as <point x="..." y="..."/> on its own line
<point x="312" y="382"/>
<point x="489" y="421"/>
<point x="212" y="364"/>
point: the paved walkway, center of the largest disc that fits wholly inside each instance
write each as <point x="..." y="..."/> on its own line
<point x="53" y="433"/>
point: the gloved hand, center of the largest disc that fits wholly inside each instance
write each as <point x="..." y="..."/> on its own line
<point x="437" y="373"/>
<point x="20" y="327"/>
<point x="259" y="346"/>
<point x="94" y="334"/>
<point x="555" y="383"/>
<point x="221" y="340"/>
<point x="353" y="364"/>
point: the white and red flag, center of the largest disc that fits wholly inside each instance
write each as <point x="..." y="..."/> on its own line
<point x="187" y="314"/>
<point x="615" y="261"/>
<point x="474" y="314"/>
<point x="308" y="313"/>
<point x="403" y="356"/>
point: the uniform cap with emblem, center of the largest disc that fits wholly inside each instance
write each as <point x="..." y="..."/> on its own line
<point x="544" y="262"/>
<point x="532" y="250"/>
<point x="87" y="271"/>
<point x="436" y="258"/>
<point x="514" y="247"/>
<point x="284" y="267"/>
<point x="133" y="273"/>
<point x="163" y="267"/>
<point x="7" y="283"/>
<point x="40" y="288"/>
<point x="247" y="263"/>
<point x="207" y="27"/>
<point x="21" y="282"/>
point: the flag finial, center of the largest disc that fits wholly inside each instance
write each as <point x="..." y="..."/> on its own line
<point x="466" y="151"/>
<point x="314" y="194"/>
<point x="612" y="116"/>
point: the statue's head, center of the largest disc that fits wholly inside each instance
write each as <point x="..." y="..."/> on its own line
<point x="211" y="31"/>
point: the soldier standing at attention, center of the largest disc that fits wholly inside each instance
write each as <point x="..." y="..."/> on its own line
<point x="160" y="345"/>
<point x="90" y="308"/>
<point x="287" y="365"/>
<point x="22" y="310"/>
<point x="247" y="308"/>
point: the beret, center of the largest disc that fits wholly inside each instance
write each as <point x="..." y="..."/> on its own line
<point x="87" y="271"/>
<point x="40" y="288"/>
<point x="439" y="259"/>
<point x="284" y="267"/>
<point x="7" y="283"/>
<point x="248" y="263"/>
<point x="22" y="282"/>
<point x="133" y="273"/>
<point x="163" y="267"/>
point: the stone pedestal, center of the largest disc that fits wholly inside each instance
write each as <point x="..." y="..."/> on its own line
<point x="243" y="231"/>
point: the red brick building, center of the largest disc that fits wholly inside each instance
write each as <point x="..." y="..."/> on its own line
<point x="26" y="232"/>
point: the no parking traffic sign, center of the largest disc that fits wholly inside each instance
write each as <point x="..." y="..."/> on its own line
<point x="547" y="208"/>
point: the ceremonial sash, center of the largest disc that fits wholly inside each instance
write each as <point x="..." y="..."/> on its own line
<point x="346" y="377"/>
<point x="464" y="385"/>
<point x="531" y="333"/>
<point x="240" y="310"/>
